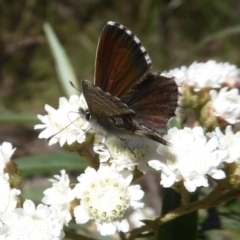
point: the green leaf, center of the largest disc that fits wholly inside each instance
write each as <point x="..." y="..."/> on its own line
<point x="52" y="164"/>
<point x="63" y="66"/>
<point x="218" y="35"/>
<point x="18" y="118"/>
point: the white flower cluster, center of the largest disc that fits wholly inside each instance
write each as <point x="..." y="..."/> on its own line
<point x="106" y="195"/>
<point x="221" y="79"/>
<point x="64" y="125"/>
<point x="206" y="75"/>
<point x="190" y="158"/>
<point x="29" y="222"/>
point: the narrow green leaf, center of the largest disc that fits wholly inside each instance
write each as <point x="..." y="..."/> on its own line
<point x="63" y="66"/>
<point x="18" y="118"/>
<point x="218" y="35"/>
<point x="51" y="164"/>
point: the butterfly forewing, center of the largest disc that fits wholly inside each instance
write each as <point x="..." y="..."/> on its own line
<point x="121" y="60"/>
<point x="103" y="105"/>
<point x="154" y="99"/>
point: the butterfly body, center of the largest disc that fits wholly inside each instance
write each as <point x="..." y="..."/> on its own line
<point x="126" y="100"/>
<point x="108" y="113"/>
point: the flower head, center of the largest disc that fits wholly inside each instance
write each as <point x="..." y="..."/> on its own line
<point x="66" y="124"/>
<point x="211" y="74"/>
<point x="226" y="104"/>
<point x="59" y="197"/>
<point x="126" y="153"/>
<point x="105" y="197"/>
<point x="229" y="141"/>
<point x="207" y="75"/>
<point x="190" y="158"/>
<point x="31" y="223"/>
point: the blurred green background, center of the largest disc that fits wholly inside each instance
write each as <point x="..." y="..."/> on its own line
<point x="174" y="32"/>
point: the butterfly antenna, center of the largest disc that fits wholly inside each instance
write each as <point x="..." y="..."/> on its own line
<point x="74" y="86"/>
<point x="62" y="129"/>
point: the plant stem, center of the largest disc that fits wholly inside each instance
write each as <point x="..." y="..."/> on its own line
<point x="217" y="196"/>
<point x="90" y="156"/>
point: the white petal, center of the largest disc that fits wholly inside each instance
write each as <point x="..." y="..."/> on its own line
<point x="106" y="228"/>
<point x="123" y="226"/>
<point x="167" y="181"/>
<point x="218" y="174"/>
<point x="155" y="164"/>
<point x="189" y="185"/>
<point x="81" y="215"/>
<point x="29" y="207"/>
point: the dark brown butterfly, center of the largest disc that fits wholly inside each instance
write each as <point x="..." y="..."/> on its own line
<point x="125" y="99"/>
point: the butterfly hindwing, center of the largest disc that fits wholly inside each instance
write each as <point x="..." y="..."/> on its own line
<point x="154" y="99"/>
<point x="121" y="60"/>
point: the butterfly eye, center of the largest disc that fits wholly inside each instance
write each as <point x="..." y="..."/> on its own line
<point x="87" y="116"/>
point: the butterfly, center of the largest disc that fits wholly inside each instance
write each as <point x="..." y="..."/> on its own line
<point x="125" y="98"/>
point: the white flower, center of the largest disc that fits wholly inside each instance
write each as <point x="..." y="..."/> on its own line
<point x="66" y="124"/>
<point x="105" y="197"/>
<point x="211" y="74"/>
<point x="6" y="152"/>
<point x="229" y="141"/>
<point x="126" y="153"/>
<point x="207" y="75"/>
<point x="180" y="75"/>
<point x="8" y="196"/>
<point x="100" y="148"/>
<point x="59" y="197"/>
<point x="31" y="223"/>
<point x="190" y="158"/>
<point x="226" y="104"/>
